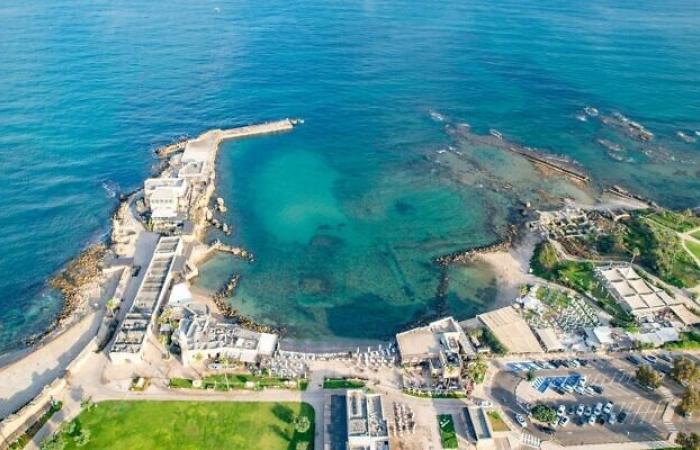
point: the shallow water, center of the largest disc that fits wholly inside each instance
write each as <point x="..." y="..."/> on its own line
<point x="344" y="212"/>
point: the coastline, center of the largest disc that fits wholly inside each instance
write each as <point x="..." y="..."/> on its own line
<point x="78" y="292"/>
<point x="505" y="258"/>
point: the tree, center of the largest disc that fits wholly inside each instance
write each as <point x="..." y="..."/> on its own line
<point x="54" y="442"/>
<point x="302" y="445"/>
<point x="82" y="438"/>
<point x="544" y="413"/>
<point x="690" y="401"/>
<point x="646" y="376"/>
<point x="689" y="441"/>
<point x="685" y="371"/>
<point x="476" y="369"/>
<point x="531" y="374"/>
<point x="302" y="424"/>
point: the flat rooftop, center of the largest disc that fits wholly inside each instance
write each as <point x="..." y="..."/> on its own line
<point x="511" y="329"/>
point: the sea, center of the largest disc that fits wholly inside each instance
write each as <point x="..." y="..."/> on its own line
<point x="346" y="213"/>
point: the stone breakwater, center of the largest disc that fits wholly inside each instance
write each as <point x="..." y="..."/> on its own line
<point x="465" y="256"/>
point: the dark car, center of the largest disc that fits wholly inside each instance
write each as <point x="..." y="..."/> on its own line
<point x="633" y="359"/>
<point x="548" y="430"/>
<point x="621" y="417"/>
<point x="598" y="389"/>
<point x="666" y="358"/>
<point x="583" y="362"/>
<point x="135" y="271"/>
<point x="556" y="363"/>
<point x="602" y="419"/>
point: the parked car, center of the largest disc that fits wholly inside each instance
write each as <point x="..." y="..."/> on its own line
<point x="563" y="421"/>
<point x="666" y="358"/>
<point x="588" y="411"/>
<point x="608" y="408"/>
<point x="571" y="409"/>
<point x="598" y="389"/>
<point x="583" y="362"/>
<point x="582" y="381"/>
<point x="633" y="359"/>
<point x="561" y="410"/>
<point x="591" y="420"/>
<point x="590" y="391"/>
<point x="612" y="420"/>
<point x="598" y="408"/>
<point x="568" y="388"/>
<point x="485" y="404"/>
<point x="580" y="390"/>
<point x="621" y="417"/>
<point x="650" y="358"/>
<point x="521" y="420"/>
<point x="574" y="364"/>
<point x="579" y="410"/>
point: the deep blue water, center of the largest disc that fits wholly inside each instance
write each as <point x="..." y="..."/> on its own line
<point x="89" y="88"/>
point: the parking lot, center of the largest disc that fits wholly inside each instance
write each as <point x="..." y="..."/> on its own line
<point x="613" y="378"/>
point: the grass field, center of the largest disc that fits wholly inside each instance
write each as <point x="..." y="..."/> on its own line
<point x="448" y="435"/>
<point x="676" y="221"/>
<point x="696" y="235"/>
<point x="497" y="422"/>
<point x="343" y="383"/>
<point x="180" y="425"/>
<point x="693" y="247"/>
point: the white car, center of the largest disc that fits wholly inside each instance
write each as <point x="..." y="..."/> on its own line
<point x="608" y="408"/>
<point x="521" y="420"/>
<point x="590" y="391"/>
<point x="598" y="408"/>
<point x="563" y="421"/>
<point x="561" y="410"/>
<point x="612" y="420"/>
<point x="568" y="388"/>
<point x="485" y="404"/>
<point x="591" y="420"/>
<point x="579" y="410"/>
<point x="580" y="390"/>
<point x="582" y="381"/>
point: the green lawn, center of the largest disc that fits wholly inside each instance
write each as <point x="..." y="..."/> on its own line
<point x="448" y="435"/>
<point x="677" y="221"/>
<point x="497" y="422"/>
<point x="696" y="235"/>
<point x="343" y="383"/>
<point x="180" y="425"/>
<point x="693" y="247"/>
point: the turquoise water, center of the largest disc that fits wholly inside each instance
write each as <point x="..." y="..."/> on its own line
<point x="88" y="90"/>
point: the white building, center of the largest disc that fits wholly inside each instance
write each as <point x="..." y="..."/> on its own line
<point x="366" y="423"/>
<point x="637" y="296"/>
<point x="167" y="198"/>
<point x="202" y="337"/>
<point x="128" y="345"/>
<point x="440" y="343"/>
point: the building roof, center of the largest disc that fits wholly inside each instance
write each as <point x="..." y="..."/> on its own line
<point x="549" y="339"/>
<point x="427" y="341"/>
<point x="686" y="316"/>
<point x="479" y="423"/>
<point x="634" y="291"/>
<point x="511" y="329"/>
